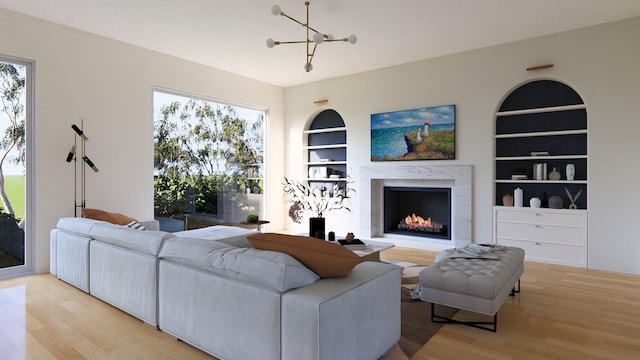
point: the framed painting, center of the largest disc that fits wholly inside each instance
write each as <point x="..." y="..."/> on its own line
<point x="417" y="134"/>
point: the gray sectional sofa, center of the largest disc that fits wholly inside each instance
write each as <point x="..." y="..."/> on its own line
<point x="211" y="289"/>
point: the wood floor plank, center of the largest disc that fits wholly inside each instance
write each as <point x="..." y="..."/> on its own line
<point x="561" y="313"/>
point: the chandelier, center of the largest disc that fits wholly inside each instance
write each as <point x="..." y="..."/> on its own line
<point x="317" y="39"/>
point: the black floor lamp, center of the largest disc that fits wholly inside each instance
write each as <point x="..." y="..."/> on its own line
<point x="73" y="156"/>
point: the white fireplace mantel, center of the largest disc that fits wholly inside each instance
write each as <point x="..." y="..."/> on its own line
<point x="373" y="179"/>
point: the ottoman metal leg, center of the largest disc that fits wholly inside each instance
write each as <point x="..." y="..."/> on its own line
<point x="476" y="324"/>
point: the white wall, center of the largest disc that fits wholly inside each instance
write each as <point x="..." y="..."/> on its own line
<point x="109" y="85"/>
<point x="601" y="63"/>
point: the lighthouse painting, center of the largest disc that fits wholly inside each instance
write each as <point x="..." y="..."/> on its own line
<point x="417" y="134"/>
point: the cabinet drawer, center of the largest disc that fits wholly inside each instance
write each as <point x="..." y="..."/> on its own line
<point x="542" y="233"/>
<point x="550" y="253"/>
<point x="542" y="216"/>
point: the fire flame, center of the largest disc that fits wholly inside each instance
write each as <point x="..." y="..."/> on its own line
<point x="418" y="221"/>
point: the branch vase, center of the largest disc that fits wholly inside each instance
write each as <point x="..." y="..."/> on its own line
<point x="316" y="227"/>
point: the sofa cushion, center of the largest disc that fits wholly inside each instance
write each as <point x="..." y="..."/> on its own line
<point x="231" y="235"/>
<point x="325" y="258"/>
<point x="147" y="242"/>
<point x="194" y="252"/>
<point x="270" y="269"/>
<point x="112" y="217"/>
<point x="80" y="226"/>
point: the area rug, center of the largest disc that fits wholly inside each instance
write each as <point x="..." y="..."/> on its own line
<point x="416" y="325"/>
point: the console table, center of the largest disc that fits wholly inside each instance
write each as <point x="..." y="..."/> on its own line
<point x="258" y="223"/>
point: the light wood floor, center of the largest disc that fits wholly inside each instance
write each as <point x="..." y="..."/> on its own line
<point x="561" y="313"/>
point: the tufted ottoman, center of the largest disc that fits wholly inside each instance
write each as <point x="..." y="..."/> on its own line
<point x="477" y="284"/>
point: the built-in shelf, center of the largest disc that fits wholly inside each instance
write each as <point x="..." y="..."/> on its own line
<point x="320" y="147"/>
<point x="543" y="115"/>
<point x="326" y="180"/>
<point x="539" y="110"/>
<point x="326" y="150"/>
<point x="325" y="130"/>
<point x="541" y="182"/>
<point x="326" y="163"/>
<point x="543" y="157"/>
<point x="540" y="133"/>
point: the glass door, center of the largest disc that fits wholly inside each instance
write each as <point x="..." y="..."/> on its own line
<point x="15" y="115"/>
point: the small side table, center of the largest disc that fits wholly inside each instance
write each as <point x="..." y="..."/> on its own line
<point x="259" y="223"/>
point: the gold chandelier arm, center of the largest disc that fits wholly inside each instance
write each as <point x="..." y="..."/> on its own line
<point x="334" y="40"/>
<point x="310" y="55"/>
<point x="289" y="42"/>
<point x="292" y="19"/>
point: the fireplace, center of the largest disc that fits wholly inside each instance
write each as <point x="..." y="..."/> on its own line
<point x="457" y="179"/>
<point x="417" y="211"/>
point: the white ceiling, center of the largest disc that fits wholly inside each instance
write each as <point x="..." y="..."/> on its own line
<point x="231" y="34"/>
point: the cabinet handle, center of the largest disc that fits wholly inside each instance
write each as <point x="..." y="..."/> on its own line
<point x="538" y="214"/>
<point x="538" y="226"/>
<point x="538" y="243"/>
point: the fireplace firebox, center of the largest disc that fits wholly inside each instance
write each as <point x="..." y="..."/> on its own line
<point x="418" y="211"/>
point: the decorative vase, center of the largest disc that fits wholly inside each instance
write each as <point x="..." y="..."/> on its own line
<point x="555" y="202"/>
<point x="535" y="202"/>
<point x="571" y="172"/>
<point x="517" y="197"/>
<point x="554" y="174"/>
<point x="316" y="227"/>
<point x="507" y="200"/>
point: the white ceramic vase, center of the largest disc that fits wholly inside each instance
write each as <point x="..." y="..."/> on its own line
<point x="571" y="172"/>
<point x="517" y="197"/>
<point x="535" y="202"/>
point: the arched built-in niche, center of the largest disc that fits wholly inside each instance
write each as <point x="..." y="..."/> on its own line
<point x="326" y="150"/>
<point x="543" y="123"/>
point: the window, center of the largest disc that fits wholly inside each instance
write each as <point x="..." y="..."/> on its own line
<point x="15" y="148"/>
<point x="208" y="160"/>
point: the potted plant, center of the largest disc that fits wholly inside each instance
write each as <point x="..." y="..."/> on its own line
<point x="315" y="202"/>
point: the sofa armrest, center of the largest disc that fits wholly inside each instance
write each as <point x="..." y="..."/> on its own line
<point x="354" y="317"/>
<point x="153" y="225"/>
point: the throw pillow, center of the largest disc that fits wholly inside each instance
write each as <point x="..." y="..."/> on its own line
<point x="112" y="217"/>
<point x="136" y="225"/>
<point x="324" y="258"/>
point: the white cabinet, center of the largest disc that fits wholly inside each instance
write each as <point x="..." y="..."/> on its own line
<point x="547" y="235"/>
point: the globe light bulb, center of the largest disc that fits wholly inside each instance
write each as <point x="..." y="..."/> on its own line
<point x="318" y="38"/>
<point x="275" y="10"/>
<point x="270" y="43"/>
<point x="308" y="67"/>
<point x="353" y="39"/>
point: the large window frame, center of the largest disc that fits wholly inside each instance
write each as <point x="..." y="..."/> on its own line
<point x="29" y="215"/>
<point x="233" y="167"/>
